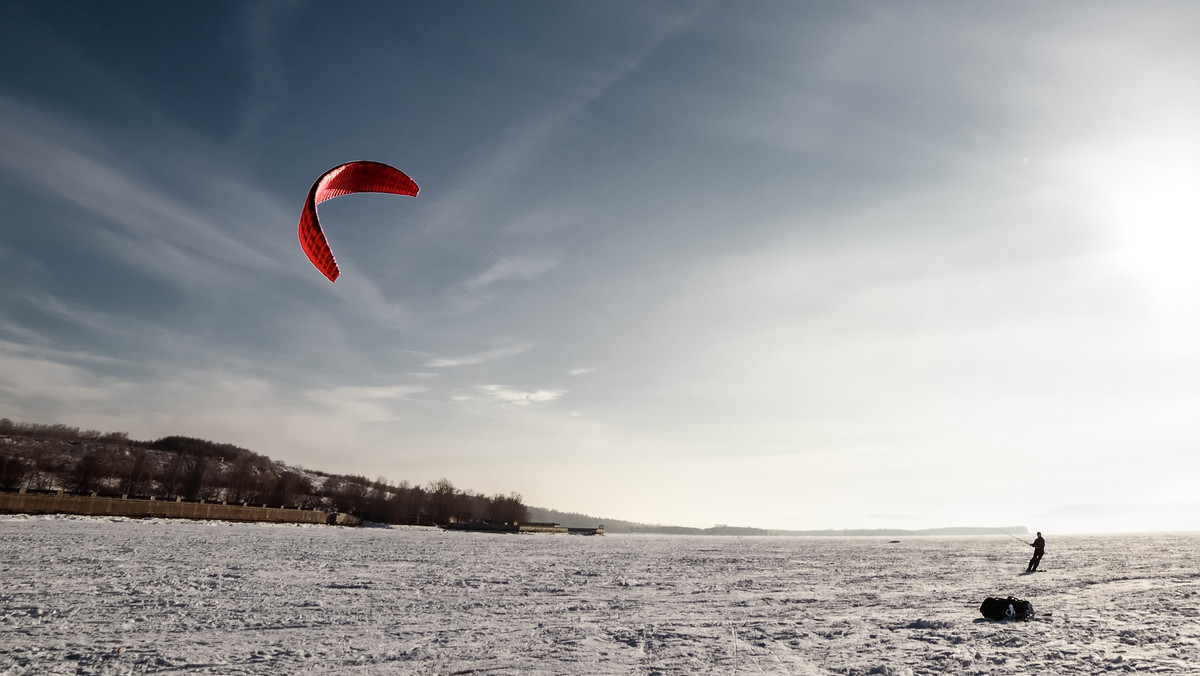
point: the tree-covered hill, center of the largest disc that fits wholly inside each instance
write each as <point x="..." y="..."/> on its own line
<point x="39" y="457"/>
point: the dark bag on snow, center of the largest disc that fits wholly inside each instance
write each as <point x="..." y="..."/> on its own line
<point x="1006" y="609"/>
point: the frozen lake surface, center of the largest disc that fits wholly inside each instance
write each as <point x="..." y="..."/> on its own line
<point x="96" y="596"/>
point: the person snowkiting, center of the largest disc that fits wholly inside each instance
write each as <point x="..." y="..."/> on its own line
<point x="1039" y="548"/>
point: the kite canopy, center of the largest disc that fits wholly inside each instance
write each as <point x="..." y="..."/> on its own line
<point x="345" y="179"/>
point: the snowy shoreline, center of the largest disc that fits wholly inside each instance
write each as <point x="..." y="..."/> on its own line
<point x="117" y="596"/>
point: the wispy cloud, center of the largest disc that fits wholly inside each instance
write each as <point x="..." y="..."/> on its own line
<point x="364" y="404"/>
<point x="40" y="374"/>
<point x="51" y="354"/>
<point x="31" y="381"/>
<point x="509" y="269"/>
<point x="530" y="135"/>
<point x="508" y="395"/>
<point x="82" y="317"/>
<point x="479" y="358"/>
<point x="143" y="224"/>
<point x="262" y="24"/>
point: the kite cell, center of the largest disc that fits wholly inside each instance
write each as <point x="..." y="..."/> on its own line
<point x="345" y="179"/>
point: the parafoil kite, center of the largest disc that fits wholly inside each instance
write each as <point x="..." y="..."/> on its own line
<point x="345" y="179"/>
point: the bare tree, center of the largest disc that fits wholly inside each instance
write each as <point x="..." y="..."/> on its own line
<point x="474" y="506"/>
<point x="136" y="483"/>
<point x="350" y="495"/>
<point x="195" y="470"/>
<point x="508" y="509"/>
<point x="239" y="481"/>
<point x="408" y="504"/>
<point x="443" y="499"/>
<point x="171" y="475"/>
<point x="288" y="490"/>
<point x="12" y="472"/>
<point x="87" y="472"/>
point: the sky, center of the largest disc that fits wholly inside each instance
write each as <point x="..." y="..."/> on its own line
<point x="793" y="265"/>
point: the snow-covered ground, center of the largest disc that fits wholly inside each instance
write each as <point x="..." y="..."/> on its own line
<point x="95" y="596"/>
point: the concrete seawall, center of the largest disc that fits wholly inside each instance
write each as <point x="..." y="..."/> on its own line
<point x="51" y="503"/>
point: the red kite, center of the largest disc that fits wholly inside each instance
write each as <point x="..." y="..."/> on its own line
<point x="345" y="179"/>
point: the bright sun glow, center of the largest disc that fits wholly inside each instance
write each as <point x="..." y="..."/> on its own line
<point x="1151" y="206"/>
<point x="1156" y="217"/>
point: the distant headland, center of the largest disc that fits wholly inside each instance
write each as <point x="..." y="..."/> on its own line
<point x="618" y="526"/>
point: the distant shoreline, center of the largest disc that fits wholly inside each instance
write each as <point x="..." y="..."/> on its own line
<point x="850" y="532"/>
<point x="58" y="502"/>
<point x="633" y="527"/>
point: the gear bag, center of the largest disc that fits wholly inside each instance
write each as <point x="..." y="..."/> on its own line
<point x="1006" y="609"/>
